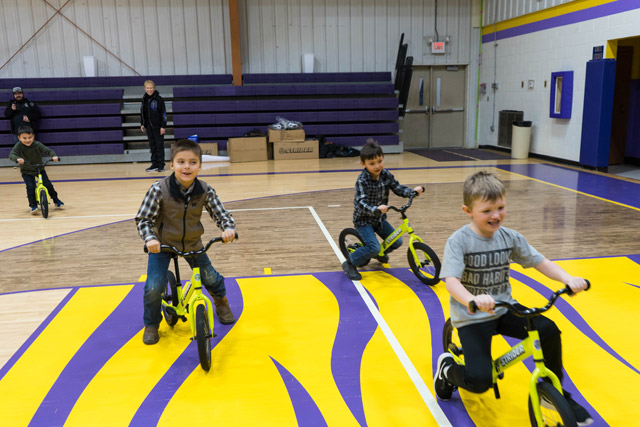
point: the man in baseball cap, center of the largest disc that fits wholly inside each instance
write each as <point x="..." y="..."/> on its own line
<point x="20" y="111"/>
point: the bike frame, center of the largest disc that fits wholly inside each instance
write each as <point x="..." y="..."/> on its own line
<point x="190" y="297"/>
<point x="404" y="228"/>
<point x="40" y="186"/>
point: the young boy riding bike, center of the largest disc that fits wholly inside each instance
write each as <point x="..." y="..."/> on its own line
<point x="476" y="268"/>
<point x="170" y="214"/>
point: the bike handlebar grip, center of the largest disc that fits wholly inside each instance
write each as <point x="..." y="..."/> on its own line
<point x="570" y="292"/>
<point x="423" y="189"/>
<point x="588" y="284"/>
<point x="473" y="307"/>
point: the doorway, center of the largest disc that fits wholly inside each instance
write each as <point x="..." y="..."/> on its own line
<point x="435" y="111"/>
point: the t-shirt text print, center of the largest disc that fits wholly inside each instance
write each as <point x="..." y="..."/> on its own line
<point x="487" y="272"/>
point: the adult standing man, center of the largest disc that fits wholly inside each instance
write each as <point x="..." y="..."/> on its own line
<point x="21" y="112"/>
<point x="153" y="121"/>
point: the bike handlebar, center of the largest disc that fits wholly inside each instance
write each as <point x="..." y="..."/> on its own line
<point x="530" y="312"/>
<point x="41" y="165"/>
<point x="191" y="253"/>
<point x="405" y="207"/>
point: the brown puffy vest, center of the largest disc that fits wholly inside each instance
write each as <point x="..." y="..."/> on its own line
<point x="178" y="223"/>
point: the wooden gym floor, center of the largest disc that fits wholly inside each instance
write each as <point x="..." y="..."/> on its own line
<point x="309" y="346"/>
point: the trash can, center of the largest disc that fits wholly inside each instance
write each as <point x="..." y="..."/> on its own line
<point x="520" y="139"/>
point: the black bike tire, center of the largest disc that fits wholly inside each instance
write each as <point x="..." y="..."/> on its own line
<point x="170" y="296"/>
<point x="342" y="242"/>
<point x="172" y="287"/>
<point x="44" y="203"/>
<point x="419" y="246"/>
<point x="203" y="334"/>
<point x="555" y="398"/>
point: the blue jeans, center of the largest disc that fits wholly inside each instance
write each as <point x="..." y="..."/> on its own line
<point x="156" y="283"/>
<point x="30" y="180"/>
<point x="371" y="246"/>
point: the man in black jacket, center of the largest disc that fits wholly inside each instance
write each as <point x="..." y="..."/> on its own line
<point x="153" y="121"/>
<point x="21" y="112"/>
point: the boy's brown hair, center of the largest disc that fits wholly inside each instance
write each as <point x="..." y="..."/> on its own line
<point x="186" y="145"/>
<point x="24" y="129"/>
<point x="482" y="185"/>
<point x="370" y="150"/>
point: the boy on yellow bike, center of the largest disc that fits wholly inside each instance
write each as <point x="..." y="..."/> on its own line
<point x="476" y="268"/>
<point x="28" y="152"/>
<point x="170" y="214"/>
<point x="370" y="207"/>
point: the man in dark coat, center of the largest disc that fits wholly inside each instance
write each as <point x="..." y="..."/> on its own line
<point x="21" y="112"/>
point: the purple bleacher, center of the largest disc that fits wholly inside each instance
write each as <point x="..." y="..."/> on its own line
<point x="96" y="123"/>
<point x="305" y="117"/>
<point x="74" y="95"/>
<point x="316" y="77"/>
<point x="277" y="90"/>
<point x="112" y="109"/>
<point x="80" y="137"/>
<point x="285" y="105"/>
<point x="116" y="81"/>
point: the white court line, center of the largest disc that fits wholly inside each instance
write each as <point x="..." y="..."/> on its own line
<point x="428" y="398"/>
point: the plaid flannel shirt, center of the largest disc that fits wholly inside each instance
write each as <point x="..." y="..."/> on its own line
<point x="372" y="193"/>
<point x="152" y="203"/>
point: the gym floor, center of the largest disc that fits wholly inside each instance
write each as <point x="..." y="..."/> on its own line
<point x="309" y="346"/>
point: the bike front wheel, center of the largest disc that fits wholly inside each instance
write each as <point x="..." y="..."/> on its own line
<point x="203" y="337"/>
<point x="554" y="407"/>
<point x="349" y="242"/>
<point x="425" y="265"/>
<point x="44" y="203"/>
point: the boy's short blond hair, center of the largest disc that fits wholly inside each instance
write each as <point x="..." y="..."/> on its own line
<point x="186" y="145"/>
<point x="149" y="82"/>
<point x="482" y="185"/>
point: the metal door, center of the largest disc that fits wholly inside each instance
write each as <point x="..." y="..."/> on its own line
<point x="415" y="125"/>
<point x="434" y="116"/>
<point x="448" y="86"/>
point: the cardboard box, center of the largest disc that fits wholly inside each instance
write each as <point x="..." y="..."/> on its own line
<point x="247" y="149"/>
<point x="209" y="148"/>
<point x="290" y="150"/>
<point x="286" y="135"/>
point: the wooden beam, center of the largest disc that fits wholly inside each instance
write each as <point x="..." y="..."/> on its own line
<point x="236" y="51"/>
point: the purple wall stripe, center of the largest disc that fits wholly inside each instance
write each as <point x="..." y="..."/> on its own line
<point x="154" y="404"/>
<point x="105" y="341"/>
<point x="567" y="19"/>
<point x="307" y="412"/>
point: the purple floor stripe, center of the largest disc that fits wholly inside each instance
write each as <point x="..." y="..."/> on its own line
<point x="454" y="409"/>
<point x="608" y="188"/>
<point x="105" y="341"/>
<point x="155" y="403"/>
<point x="355" y="329"/>
<point x="307" y="412"/>
<point x="18" y="354"/>
<point x="634" y="258"/>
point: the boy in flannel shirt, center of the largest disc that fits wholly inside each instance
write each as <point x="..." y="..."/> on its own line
<point x="370" y="208"/>
<point x="170" y="214"/>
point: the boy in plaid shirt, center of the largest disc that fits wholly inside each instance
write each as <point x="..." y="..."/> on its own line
<point x="170" y="214"/>
<point x="370" y="208"/>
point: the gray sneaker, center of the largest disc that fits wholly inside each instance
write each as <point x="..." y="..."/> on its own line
<point x="444" y="389"/>
<point x="351" y="270"/>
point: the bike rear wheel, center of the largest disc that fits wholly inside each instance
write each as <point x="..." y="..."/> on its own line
<point x="171" y="297"/>
<point x="450" y="339"/>
<point x="554" y="407"/>
<point x="349" y="241"/>
<point x="44" y="203"/>
<point x="203" y="337"/>
<point x="427" y="265"/>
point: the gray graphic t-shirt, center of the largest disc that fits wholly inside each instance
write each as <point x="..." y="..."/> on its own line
<point x="482" y="265"/>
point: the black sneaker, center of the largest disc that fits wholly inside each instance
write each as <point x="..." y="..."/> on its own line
<point x="444" y="389"/>
<point x="352" y="272"/>
<point x="160" y="170"/>
<point x="58" y="203"/>
<point x="151" y="169"/>
<point x="582" y="416"/>
<point x="382" y="259"/>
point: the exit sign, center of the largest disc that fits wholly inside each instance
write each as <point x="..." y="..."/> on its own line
<point x="437" y="47"/>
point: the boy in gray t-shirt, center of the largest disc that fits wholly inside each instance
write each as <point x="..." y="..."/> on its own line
<point x="476" y="268"/>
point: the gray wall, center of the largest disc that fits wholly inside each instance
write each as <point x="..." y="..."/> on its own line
<point x="192" y="36"/>
<point x="495" y="11"/>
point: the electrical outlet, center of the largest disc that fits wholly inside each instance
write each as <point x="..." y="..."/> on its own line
<point x="495" y="86"/>
<point x="531" y="84"/>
